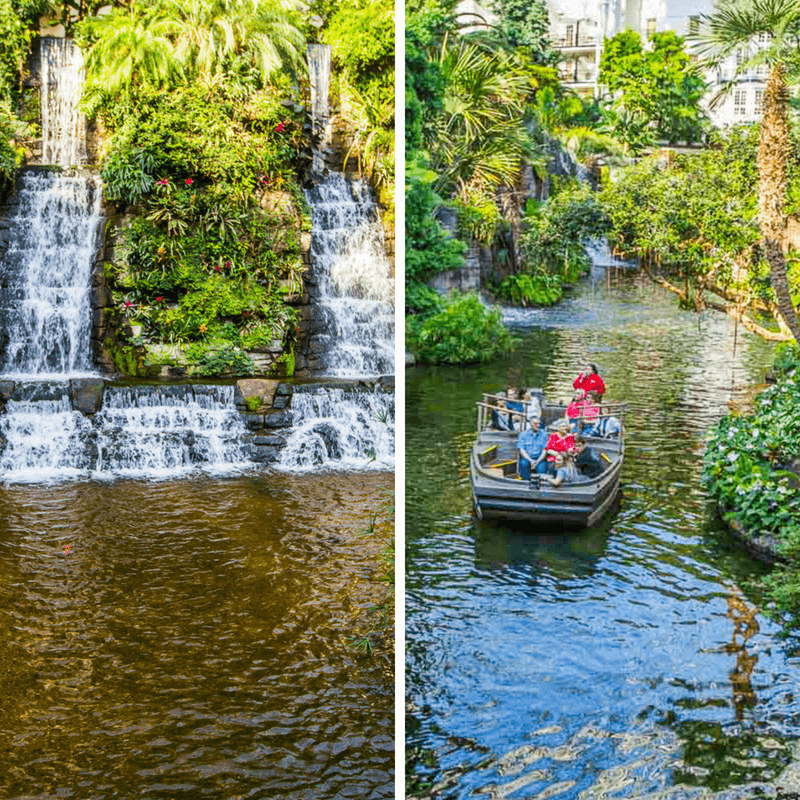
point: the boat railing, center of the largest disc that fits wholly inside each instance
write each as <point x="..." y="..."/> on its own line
<point x="499" y="403"/>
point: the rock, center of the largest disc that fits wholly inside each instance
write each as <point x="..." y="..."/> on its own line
<point x="282" y="418"/>
<point x="330" y="436"/>
<point x="7" y="389"/>
<point x="255" y="387"/>
<point x="86" y="394"/>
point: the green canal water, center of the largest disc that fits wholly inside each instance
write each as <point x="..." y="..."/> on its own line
<point x="632" y="660"/>
<point x="190" y="638"/>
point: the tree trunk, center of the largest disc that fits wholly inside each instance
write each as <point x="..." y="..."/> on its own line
<point x="773" y="155"/>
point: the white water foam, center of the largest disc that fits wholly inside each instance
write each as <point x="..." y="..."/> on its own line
<point x="46" y="273"/>
<point x="354" y="281"/>
<point x="63" y="126"/>
<point x="149" y="432"/>
<point x="340" y="429"/>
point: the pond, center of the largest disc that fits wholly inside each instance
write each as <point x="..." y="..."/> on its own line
<point x="631" y="660"/>
<point x="191" y="638"/>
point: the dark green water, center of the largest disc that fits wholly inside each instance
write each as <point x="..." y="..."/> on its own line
<point x="628" y="661"/>
<point x="190" y="639"/>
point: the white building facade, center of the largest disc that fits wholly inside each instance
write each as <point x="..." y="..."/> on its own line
<point x="577" y="29"/>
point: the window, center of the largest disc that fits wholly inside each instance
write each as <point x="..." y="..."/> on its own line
<point x="741" y="54"/>
<point x="739" y="103"/>
<point x="651" y="27"/>
<point x="759" y="102"/>
<point x="568" y="39"/>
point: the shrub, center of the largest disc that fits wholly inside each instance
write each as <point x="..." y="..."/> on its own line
<point x="463" y="331"/>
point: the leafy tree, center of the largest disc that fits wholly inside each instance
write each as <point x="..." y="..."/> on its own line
<point x="526" y="24"/>
<point x="656" y="92"/>
<point x="734" y="29"/>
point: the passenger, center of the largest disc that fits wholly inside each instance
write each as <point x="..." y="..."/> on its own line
<point x="575" y="409"/>
<point x="586" y="460"/>
<point x="533" y="407"/>
<point x="591" y="414"/>
<point x="589" y="380"/>
<point x="562" y="441"/>
<point x="564" y="470"/>
<point x="499" y="420"/>
<point x="514" y="404"/>
<point x="532" y="447"/>
<point x="608" y="427"/>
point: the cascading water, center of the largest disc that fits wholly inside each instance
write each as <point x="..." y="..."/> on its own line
<point x="45" y="277"/>
<point x="354" y="286"/>
<point x="63" y="126"/>
<point x="142" y="432"/>
<point x="340" y="428"/>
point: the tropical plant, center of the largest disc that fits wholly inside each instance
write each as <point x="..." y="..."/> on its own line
<point x="656" y="92"/>
<point x="462" y="331"/>
<point x="479" y="141"/>
<point x="736" y="29"/>
<point x="127" y="48"/>
<point x="215" y="37"/>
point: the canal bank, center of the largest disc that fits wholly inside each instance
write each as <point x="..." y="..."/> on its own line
<point x="630" y="660"/>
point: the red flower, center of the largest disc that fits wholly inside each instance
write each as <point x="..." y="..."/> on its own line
<point x="159" y="299"/>
<point x="128" y="304"/>
<point x="265" y="180"/>
<point x="189" y="181"/>
<point x="227" y="265"/>
<point x="163" y="182"/>
<point x="279" y="128"/>
<point x="218" y="268"/>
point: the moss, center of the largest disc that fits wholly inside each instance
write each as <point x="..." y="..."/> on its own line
<point x="126" y="359"/>
<point x="253" y="403"/>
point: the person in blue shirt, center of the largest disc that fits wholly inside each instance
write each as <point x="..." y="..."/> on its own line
<point x="532" y="447"/>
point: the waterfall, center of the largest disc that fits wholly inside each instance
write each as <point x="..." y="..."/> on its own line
<point x="141" y="432"/>
<point x="340" y="429"/>
<point x="45" y="274"/>
<point x="319" y="74"/>
<point x="353" y="283"/>
<point x="61" y="81"/>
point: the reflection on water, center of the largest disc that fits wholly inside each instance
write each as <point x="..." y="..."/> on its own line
<point x="190" y="639"/>
<point x="629" y="660"/>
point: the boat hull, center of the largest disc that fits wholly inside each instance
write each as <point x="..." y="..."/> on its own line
<point x="570" y="505"/>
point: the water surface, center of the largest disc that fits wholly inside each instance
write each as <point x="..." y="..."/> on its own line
<point x="626" y="661"/>
<point x="190" y="638"/>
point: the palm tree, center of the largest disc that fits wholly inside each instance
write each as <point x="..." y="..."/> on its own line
<point x="735" y="29"/>
<point x="131" y="46"/>
<point x="213" y="35"/>
<point x="479" y="139"/>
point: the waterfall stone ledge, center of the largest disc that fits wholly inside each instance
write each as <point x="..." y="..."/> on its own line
<point x="267" y="409"/>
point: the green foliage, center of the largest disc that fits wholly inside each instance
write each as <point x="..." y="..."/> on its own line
<point x="428" y="247"/>
<point x="464" y="331"/>
<point x="361" y="35"/>
<point x="478" y="218"/>
<point x="227" y="360"/>
<point x="201" y="265"/>
<point x="697" y="212"/>
<point x="526" y="24"/>
<point x="525" y="290"/>
<point x="744" y="470"/>
<point x="553" y="243"/>
<point x="786" y="358"/>
<point x="253" y="403"/>
<point x="422" y="299"/>
<point x="236" y="44"/>
<point x="656" y="92"/>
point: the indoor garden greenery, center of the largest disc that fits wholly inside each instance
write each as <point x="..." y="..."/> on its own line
<point x="752" y="470"/>
<point x="198" y="110"/>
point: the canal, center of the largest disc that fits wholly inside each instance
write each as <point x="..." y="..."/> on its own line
<point x="192" y="638"/>
<point x="631" y="660"/>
